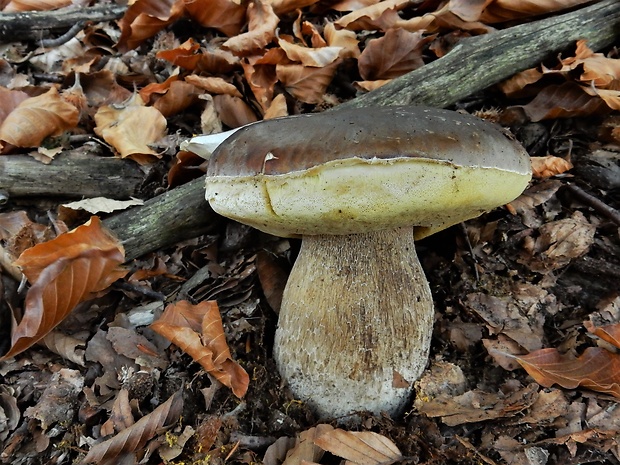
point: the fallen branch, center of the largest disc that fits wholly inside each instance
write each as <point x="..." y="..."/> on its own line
<point x="72" y="174"/>
<point x="37" y="25"/>
<point x="472" y="66"/>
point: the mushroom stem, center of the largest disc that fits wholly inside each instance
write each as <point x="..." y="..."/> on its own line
<point x="355" y="323"/>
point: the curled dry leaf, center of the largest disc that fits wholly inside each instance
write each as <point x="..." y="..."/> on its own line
<point x="596" y="369"/>
<point x="130" y="128"/>
<point x="377" y="16"/>
<point x="36" y="118"/>
<point x="135" y="437"/>
<point x="608" y="333"/>
<point x="198" y="331"/>
<point x="317" y="57"/>
<point x="213" y="85"/>
<point x="506" y="10"/>
<point x="262" y="26"/>
<point x="64" y="272"/>
<point x="545" y="167"/>
<point x="9" y="100"/>
<point x="359" y="448"/>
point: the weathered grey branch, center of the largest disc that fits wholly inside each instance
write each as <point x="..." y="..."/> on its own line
<point x="478" y="62"/>
<point x="72" y="174"/>
<point x="470" y="67"/>
<point x="180" y="213"/>
<point x="37" y="25"/>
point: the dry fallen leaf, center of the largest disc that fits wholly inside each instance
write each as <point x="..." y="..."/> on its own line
<point x="305" y="450"/>
<point x="596" y="369"/>
<point x="130" y="128"/>
<point x="64" y="272"/>
<point x="36" y="118"/>
<point x="135" y="437"/>
<point x="359" y="448"/>
<point x="392" y="55"/>
<point x="198" y="331"/>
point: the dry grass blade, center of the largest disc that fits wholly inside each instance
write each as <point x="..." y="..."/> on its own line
<point x="135" y="437"/>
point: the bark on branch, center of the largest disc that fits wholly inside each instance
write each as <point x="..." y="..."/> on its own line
<point x="470" y="67"/>
<point x="37" y="25"/>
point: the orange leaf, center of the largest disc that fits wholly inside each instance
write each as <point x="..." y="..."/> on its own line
<point x="64" y="272"/>
<point x="206" y="343"/>
<point x="36" y="118"/>
<point x="596" y="369"/>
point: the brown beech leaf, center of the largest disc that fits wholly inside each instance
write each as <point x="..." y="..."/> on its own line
<point x="213" y="85"/>
<point x="306" y="83"/>
<point x="608" y="333"/>
<point x="346" y="40"/>
<point x="135" y="437"/>
<point x="392" y="55"/>
<point x="506" y="10"/>
<point x="305" y="450"/>
<point x="36" y="118"/>
<point x="562" y="101"/>
<point x="227" y="16"/>
<point x="545" y="167"/>
<point x="64" y="272"/>
<point x="262" y="24"/>
<point x="145" y="18"/>
<point x="9" y="100"/>
<point x="359" y="448"/>
<point x="377" y="16"/>
<point x="205" y="343"/>
<point x="130" y="128"/>
<point x="596" y="369"/>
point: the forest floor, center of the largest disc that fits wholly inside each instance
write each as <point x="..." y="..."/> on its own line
<point x="523" y="366"/>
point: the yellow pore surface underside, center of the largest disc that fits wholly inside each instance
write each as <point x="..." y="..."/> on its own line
<point x="356" y="196"/>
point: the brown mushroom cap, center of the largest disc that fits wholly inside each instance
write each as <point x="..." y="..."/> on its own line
<point x="359" y="170"/>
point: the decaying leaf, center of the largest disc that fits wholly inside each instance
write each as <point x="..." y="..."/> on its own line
<point x="135" y="437"/>
<point x="64" y="272"/>
<point x="477" y="405"/>
<point x="59" y="400"/>
<point x="198" y="331"/>
<point x="560" y="242"/>
<point x="596" y="369"/>
<point x="359" y="448"/>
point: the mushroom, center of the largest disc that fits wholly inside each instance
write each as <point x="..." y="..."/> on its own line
<point x="357" y="186"/>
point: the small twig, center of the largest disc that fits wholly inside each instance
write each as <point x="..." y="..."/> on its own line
<point x="66" y="37"/>
<point x="595" y="203"/>
<point x="471" y="251"/>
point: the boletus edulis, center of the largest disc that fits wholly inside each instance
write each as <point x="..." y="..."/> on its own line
<point x="358" y="186"/>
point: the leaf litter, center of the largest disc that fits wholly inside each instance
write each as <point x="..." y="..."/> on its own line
<point x="514" y="288"/>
